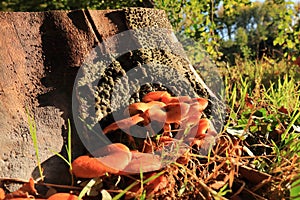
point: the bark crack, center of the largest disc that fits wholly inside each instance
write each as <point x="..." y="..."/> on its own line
<point x="93" y="25"/>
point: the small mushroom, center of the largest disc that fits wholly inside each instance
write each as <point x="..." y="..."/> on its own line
<point x="155" y="96"/>
<point x="115" y="156"/>
<point x="171" y="113"/>
<point x="63" y="196"/>
<point x="155" y="113"/>
<point x="180" y="99"/>
<point x="124" y="123"/>
<point x="203" y="126"/>
<point x="89" y="167"/>
<point x="195" y="111"/>
<point x="202" y="103"/>
<point x="142" y="162"/>
<point x="198" y="132"/>
<point x="141" y="107"/>
<point x="119" y="161"/>
<point x="165" y="140"/>
<point x="112" y="158"/>
<point x="176" y="112"/>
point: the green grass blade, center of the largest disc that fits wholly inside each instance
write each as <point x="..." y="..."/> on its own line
<point x="295" y="190"/>
<point x="32" y="131"/>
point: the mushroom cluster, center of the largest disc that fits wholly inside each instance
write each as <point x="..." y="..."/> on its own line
<point x="181" y="119"/>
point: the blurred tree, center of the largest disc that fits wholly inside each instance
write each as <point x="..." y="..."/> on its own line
<point x="43" y="5"/>
<point x="226" y="29"/>
<point x="231" y="29"/>
<point x="201" y="20"/>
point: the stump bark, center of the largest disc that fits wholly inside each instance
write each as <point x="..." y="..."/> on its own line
<point x="40" y="54"/>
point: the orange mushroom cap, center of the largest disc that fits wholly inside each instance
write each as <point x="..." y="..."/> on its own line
<point x="2" y="194"/>
<point x="167" y="99"/>
<point x="155" y="96"/>
<point x="110" y="149"/>
<point x="142" y="162"/>
<point x="195" y="111"/>
<point x="203" y="126"/>
<point x="171" y="113"/>
<point x="141" y="107"/>
<point x="124" y="123"/>
<point x="198" y="133"/>
<point x="112" y="158"/>
<point x="88" y="167"/>
<point x="115" y="156"/>
<point x="63" y="196"/>
<point x="199" y="130"/>
<point x="202" y="103"/>
<point x="155" y="113"/>
<point x="176" y="112"/>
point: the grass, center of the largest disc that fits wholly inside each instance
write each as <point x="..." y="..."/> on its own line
<point x="263" y="101"/>
<point x="68" y="160"/>
<point x="141" y="181"/>
<point x="69" y="152"/>
<point x="32" y="131"/>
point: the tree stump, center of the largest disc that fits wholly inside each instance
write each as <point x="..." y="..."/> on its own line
<point x="41" y="53"/>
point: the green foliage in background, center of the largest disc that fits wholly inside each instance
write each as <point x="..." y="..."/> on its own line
<point x="202" y="20"/>
<point x="238" y="28"/>
<point x="226" y="29"/>
<point x="43" y="5"/>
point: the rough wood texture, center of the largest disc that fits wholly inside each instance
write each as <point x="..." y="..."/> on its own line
<point x="40" y="55"/>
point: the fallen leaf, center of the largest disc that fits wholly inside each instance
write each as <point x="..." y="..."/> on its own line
<point x="29" y="187"/>
<point x="240" y="133"/>
<point x="217" y="185"/>
<point x="231" y="177"/>
<point x="25" y="191"/>
<point x="105" y="195"/>
<point x="249" y="101"/>
<point x="158" y="184"/>
<point x="283" y="110"/>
